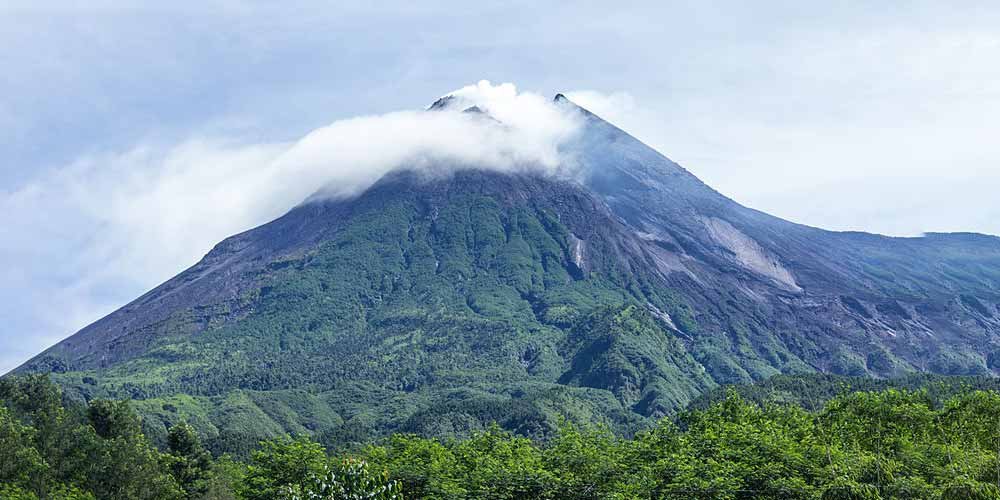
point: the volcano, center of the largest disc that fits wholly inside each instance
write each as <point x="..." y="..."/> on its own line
<point x="438" y="303"/>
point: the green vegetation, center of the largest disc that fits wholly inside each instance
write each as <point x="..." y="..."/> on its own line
<point x="813" y="391"/>
<point x="426" y="320"/>
<point x="931" y="443"/>
<point x="438" y="306"/>
<point x="50" y="451"/>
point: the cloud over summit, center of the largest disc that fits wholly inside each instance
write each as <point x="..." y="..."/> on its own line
<point x="525" y="132"/>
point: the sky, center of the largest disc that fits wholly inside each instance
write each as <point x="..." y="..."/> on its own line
<point x="133" y="138"/>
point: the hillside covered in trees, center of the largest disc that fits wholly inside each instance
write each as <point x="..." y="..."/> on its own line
<point x="941" y="443"/>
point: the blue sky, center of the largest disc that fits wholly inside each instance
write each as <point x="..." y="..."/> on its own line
<point x="877" y="116"/>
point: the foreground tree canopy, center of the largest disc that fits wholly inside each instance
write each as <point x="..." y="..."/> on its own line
<point x="859" y="445"/>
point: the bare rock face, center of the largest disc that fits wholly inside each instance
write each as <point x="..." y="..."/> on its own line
<point x="622" y="295"/>
<point x="749" y="254"/>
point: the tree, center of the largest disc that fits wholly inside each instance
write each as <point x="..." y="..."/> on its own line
<point x="20" y="463"/>
<point x="281" y="463"/>
<point x="499" y="465"/>
<point x="113" y="419"/>
<point x="190" y="463"/>
<point x="427" y="468"/>
<point x="349" y="479"/>
<point x="129" y="467"/>
<point x="587" y="464"/>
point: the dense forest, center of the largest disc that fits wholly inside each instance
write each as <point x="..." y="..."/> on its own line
<point x="933" y="442"/>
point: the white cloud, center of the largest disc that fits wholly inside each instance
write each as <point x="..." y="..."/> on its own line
<point x="350" y="154"/>
<point x="96" y="233"/>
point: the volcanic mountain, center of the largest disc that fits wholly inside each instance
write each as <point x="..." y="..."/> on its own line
<point x="438" y="303"/>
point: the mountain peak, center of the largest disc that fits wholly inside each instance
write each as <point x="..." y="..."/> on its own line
<point x="452" y="102"/>
<point x="443" y="102"/>
<point x="476" y="292"/>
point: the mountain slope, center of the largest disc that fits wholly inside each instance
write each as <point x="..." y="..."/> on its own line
<point x="928" y="303"/>
<point x="435" y="304"/>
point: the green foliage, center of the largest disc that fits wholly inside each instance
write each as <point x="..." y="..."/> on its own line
<point x="843" y="489"/>
<point x="72" y="452"/>
<point x="11" y="492"/>
<point x="813" y="391"/>
<point x="497" y="464"/>
<point x="426" y="468"/>
<point x="348" y="479"/>
<point x="20" y="461"/>
<point x="771" y="450"/>
<point x="113" y="419"/>
<point x="865" y="445"/>
<point x="968" y="490"/>
<point x="283" y="463"/>
<point x="888" y="444"/>
<point x="626" y="351"/>
<point x="225" y="480"/>
<point x="190" y="463"/>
